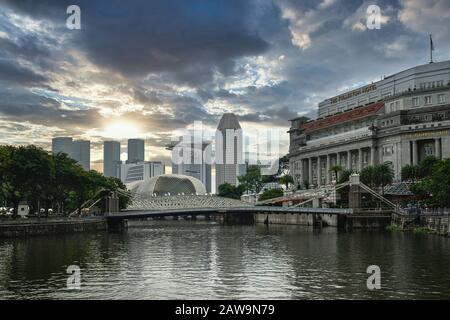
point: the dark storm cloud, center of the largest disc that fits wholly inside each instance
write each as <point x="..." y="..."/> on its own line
<point x="190" y="40"/>
<point x="21" y="105"/>
<point x="11" y="72"/>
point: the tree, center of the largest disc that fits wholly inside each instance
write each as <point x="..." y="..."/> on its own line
<point x="440" y="183"/>
<point x="252" y="180"/>
<point x="345" y="175"/>
<point x="367" y="176"/>
<point x="286" y="180"/>
<point x="336" y="169"/>
<point x="47" y="181"/>
<point x="270" y="194"/>
<point x="410" y="173"/>
<point x="227" y="190"/>
<point x="425" y="167"/>
<point x="383" y="175"/>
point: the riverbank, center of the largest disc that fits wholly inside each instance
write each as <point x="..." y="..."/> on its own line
<point x="433" y="224"/>
<point x="48" y="226"/>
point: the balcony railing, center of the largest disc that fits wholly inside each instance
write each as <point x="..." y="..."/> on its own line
<point x="340" y="137"/>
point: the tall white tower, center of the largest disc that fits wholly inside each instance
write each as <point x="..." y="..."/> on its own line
<point x="229" y="151"/>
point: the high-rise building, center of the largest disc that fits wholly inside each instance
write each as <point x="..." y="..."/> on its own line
<point x="229" y="151"/>
<point x="81" y="152"/>
<point x="136" y="150"/>
<point x="62" y="144"/>
<point x="131" y="172"/>
<point x="192" y="160"/>
<point x="111" y="158"/>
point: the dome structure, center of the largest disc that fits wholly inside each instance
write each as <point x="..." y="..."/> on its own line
<point x="168" y="184"/>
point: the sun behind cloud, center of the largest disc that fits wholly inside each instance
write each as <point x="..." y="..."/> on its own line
<point x="121" y="130"/>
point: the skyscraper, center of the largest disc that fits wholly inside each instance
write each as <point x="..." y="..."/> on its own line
<point x="81" y="152"/>
<point x="111" y="158"/>
<point x="229" y="148"/>
<point x="136" y="150"/>
<point x="62" y="144"/>
<point x="186" y="163"/>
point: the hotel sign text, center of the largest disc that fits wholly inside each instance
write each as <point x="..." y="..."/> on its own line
<point x="353" y="93"/>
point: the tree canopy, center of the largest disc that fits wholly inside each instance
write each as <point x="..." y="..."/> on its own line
<point x="49" y="181"/>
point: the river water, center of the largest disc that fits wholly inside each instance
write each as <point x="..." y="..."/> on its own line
<point x="208" y="260"/>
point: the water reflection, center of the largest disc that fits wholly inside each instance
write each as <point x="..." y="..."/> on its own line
<point x="203" y="260"/>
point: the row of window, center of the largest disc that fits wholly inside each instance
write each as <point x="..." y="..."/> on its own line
<point x="431" y="84"/>
<point x="441" y="98"/>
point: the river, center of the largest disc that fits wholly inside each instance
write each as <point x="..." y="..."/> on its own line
<point x="208" y="260"/>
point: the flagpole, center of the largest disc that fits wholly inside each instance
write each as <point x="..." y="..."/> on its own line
<point x="431" y="49"/>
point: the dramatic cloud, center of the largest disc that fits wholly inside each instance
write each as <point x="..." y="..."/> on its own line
<point x="150" y="68"/>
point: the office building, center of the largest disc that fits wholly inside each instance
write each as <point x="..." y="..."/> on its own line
<point x="131" y="172"/>
<point x="192" y="160"/>
<point x="81" y="152"/>
<point x="63" y="145"/>
<point x="229" y="151"/>
<point x="111" y="158"/>
<point x="136" y="150"/>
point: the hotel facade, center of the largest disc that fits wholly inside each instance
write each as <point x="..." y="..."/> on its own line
<point x="399" y="120"/>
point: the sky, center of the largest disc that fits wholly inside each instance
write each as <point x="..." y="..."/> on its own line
<point x="146" y="69"/>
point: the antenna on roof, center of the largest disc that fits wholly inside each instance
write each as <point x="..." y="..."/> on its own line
<point x="431" y="49"/>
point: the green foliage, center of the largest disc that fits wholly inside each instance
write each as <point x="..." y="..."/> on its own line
<point x="440" y="183"/>
<point x="270" y="194"/>
<point x="393" y="227"/>
<point x="422" y="230"/>
<point x="410" y="173"/>
<point x="252" y="180"/>
<point x="227" y="190"/>
<point x="286" y="180"/>
<point x="434" y="188"/>
<point x="425" y="167"/>
<point x="345" y="176"/>
<point x="379" y="175"/>
<point x="47" y="181"/>
<point x="367" y="176"/>
<point x="336" y="169"/>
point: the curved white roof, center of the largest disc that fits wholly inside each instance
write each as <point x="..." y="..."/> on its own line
<point x="168" y="184"/>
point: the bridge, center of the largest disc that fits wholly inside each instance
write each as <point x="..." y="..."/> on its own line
<point x="143" y="214"/>
<point x="148" y="206"/>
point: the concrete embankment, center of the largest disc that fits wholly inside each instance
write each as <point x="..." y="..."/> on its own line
<point x="438" y="224"/>
<point x="342" y="221"/>
<point x="33" y="227"/>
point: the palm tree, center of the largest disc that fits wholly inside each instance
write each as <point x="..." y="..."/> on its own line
<point x="336" y="169"/>
<point x="345" y="175"/>
<point x="368" y="176"/>
<point x="383" y="175"/>
<point x="286" y="180"/>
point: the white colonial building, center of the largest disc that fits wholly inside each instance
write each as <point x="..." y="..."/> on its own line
<point x="400" y="120"/>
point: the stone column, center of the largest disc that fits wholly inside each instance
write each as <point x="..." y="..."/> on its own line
<point x="310" y="180"/>
<point x="338" y="163"/>
<point x="372" y="156"/>
<point x="319" y="173"/>
<point x="437" y="148"/>
<point x="327" y="173"/>
<point x="360" y="160"/>
<point x="349" y="160"/>
<point x="414" y="152"/>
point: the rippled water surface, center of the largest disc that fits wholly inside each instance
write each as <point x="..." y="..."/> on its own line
<point x="207" y="260"/>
